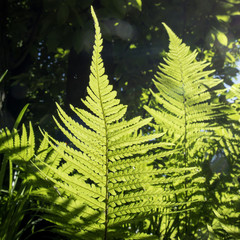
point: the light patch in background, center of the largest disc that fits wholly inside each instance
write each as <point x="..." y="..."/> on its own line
<point x="119" y="28"/>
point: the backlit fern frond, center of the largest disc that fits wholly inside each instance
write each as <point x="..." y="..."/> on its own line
<point x="19" y="151"/>
<point x="184" y="94"/>
<point x="16" y="148"/>
<point x="105" y="178"/>
<point x="17" y="178"/>
<point x="185" y="109"/>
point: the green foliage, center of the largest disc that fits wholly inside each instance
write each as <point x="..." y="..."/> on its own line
<point x="34" y="31"/>
<point x="185" y="108"/>
<point x="105" y="178"/>
<point x="136" y="3"/>
<point x="14" y="196"/>
<point x="225" y="224"/>
<point x="113" y="180"/>
<point x="184" y="97"/>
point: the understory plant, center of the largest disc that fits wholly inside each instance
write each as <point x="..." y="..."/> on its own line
<point x="105" y="178"/>
<point x="226" y="224"/>
<point x="14" y="194"/>
<point x="112" y="180"/>
<point x="184" y="108"/>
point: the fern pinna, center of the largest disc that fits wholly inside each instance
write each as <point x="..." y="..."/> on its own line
<point x="185" y="109"/>
<point x="104" y="179"/>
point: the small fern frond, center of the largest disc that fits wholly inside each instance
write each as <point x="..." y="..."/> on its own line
<point x="16" y="147"/>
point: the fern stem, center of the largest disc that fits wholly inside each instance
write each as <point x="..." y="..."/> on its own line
<point x="106" y="193"/>
<point x="106" y="154"/>
<point x="106" y="186"/>
<point x="106" y="147"/>
<point x="185" y="152"/>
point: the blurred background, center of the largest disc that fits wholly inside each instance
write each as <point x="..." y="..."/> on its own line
<point x="46" y="46"/>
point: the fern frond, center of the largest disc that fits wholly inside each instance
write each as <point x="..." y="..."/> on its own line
<point x="184" y="94"/>
<point x="185" y="108"/>
<point x="106" y="172"/>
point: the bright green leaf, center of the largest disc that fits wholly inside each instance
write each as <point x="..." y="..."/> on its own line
<point x="222" y="38"/>
<point x="20" y="116"/>
<point x="236" y="13"/>
<point x="223" y="18"/>
<point x="60" y="50"/>
<point x="230" y="58"/>
<point x="136" y="3"/>
<point x="1" y="78"/>
<point x="132" y="46"/>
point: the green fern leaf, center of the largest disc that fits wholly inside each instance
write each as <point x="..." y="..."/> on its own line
<point x="185" y="108"/>
<point x="184" y="95"/>
<point x="106" y="172"/>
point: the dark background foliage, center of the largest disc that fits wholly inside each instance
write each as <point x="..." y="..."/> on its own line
<point x="46" y="46"/>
